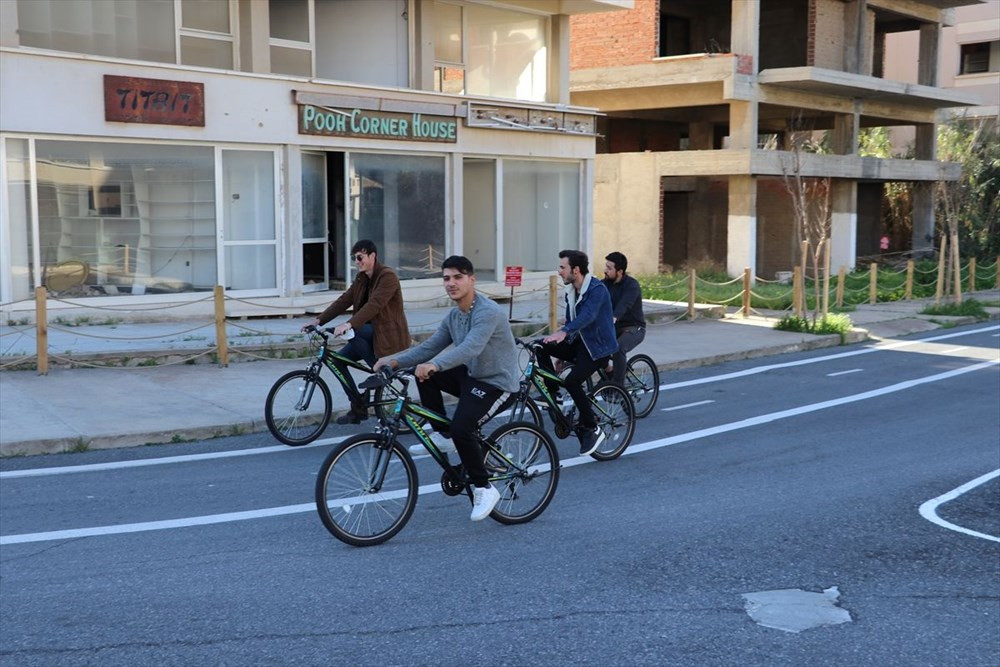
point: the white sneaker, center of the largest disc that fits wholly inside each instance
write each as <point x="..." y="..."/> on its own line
<point x="484" y="499"/>
<point x="442" y="442"/>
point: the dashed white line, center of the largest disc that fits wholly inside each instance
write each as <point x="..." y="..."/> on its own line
<point x="954" y="349"/>
<point x="929" y="509"/>
<point x="853" y="370"/>
<point x="686" y="405"/>
<point x="434" y="488"/>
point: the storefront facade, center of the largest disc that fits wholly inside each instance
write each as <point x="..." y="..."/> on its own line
<point x="142" y="179"/>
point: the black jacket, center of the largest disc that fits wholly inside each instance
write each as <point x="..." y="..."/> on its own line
<point x="626" y="302"/>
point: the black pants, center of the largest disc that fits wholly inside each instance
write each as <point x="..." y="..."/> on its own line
<point x="359" y="347"/>
<point x="477" y="403"/>
<point x="628" y="338"/>
<point x="583" y="368"/>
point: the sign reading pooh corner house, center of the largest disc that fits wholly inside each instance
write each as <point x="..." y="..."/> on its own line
<point x="327" y="121"/>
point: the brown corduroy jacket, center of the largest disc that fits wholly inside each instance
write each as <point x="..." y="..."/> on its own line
<point x="383" y="308"/>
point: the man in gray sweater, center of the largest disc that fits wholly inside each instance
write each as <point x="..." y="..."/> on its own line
<point x="472" y="356"/>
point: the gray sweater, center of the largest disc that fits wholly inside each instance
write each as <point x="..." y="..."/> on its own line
<point x="480" y="339"/>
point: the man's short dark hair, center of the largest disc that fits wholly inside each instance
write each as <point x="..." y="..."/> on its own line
<point x="619" y="260"/>
<point x="365" y="246"/>
<point x="577" y="259"/>
<point x="460" y="264"/>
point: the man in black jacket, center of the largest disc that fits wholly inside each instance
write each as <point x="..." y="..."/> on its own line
<point x="626" y="304"/>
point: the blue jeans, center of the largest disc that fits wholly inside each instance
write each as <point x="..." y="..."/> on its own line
<point x="361" y="347"/>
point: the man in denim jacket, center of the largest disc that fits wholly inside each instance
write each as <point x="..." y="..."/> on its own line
<point x="587" y="339"/>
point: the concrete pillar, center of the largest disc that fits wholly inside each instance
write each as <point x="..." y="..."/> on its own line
<point x="255" y="36"/>
<point x="925" y="142"/>
<point x="854" y="35"/>
<point x="741" y="231"/>
<point x="558" y="84"/>
<point x="743" y="125"/>
<point x="927" y="64"/>
<point x="844" y="138"/>
<point x="701" y="136"/>
<point x="423" y="45"/>
<point x="843" y="223"/>
<point x="8" y="24"/>
<point x="746" y="31"/>
<point x="922" y="242"/>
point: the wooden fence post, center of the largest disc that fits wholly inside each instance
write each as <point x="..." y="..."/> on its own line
<point x="42" y="330"/>
<point x="221" y="343"/>
<point x="553" y="290"/>
<point x="909" y="280"/>
<point x="873" y="283"/>
<point x="692" y="282"/>
<point x="797" y="292"/>
<point x="972" y="274"/>
<point x="841" y="279"/>
<point x="958" y="269"/>
<point x="939" y="290"/>
<point x="826" y="277"/>
<point x="746" y="292"/>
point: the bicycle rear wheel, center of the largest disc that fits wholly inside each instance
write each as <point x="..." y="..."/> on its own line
<point x="642" y="382"/>
<point x="615" y="418"/>
<point x="524" y="467"/>
<point x="298" y="407"/>
<point x="366" y="490"/>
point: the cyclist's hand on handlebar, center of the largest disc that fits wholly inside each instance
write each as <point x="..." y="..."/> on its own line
<point x="306" y="328"/>
<point x="341" y="329"/>
<point x="424" y="371"/>
<point x="557" y="337"/>
<point x="385" y="362"/>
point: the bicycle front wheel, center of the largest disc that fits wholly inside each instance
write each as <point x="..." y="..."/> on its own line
<point x="642" y="382"/>
<point x="366" y="490"/>
<point x="298" y="407"/>
<point x="523" y="464"/>
<point x="615" y="418"/>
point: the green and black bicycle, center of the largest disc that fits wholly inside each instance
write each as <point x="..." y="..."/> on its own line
<point x="367" y="486"/>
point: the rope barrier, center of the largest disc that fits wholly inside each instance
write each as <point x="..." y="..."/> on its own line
<point x="86" y="335"/>
<point x="130" y="308"/>
<point x="259" y="357"/>
<point x="80" y="362"/>
<point x="17" y="331"/>
<point x="18" y="361"/>
<point x="706" y="282"/>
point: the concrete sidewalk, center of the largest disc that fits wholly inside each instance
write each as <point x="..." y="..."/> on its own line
<point x="91" y="408"/>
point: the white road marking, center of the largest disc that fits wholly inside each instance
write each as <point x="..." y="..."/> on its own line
<point x="853" y="370"/>
<point x="954" y="349"/>
<point x="434" y="488"/>
<point x="929" y="509"/>
<point x="686" y="405"/>
<point x="880" y="347"/>
<point x="35" y="472"/>
<point x="138" y="463"/>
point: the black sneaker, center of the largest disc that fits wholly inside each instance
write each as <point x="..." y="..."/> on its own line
<point x="590" y="440"/>
<point x="352" y="417"/>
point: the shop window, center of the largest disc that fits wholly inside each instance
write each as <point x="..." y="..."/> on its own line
<point x="125" y="218"/>
<point x="398" y="202"/>
<point x="291" y="40"/>
<point x="980" y="57"/>
<point x="133" y="29"/>
<point x="17" y="283"/>
<point x="494" y="52"/>
<point x="541" y="212"/>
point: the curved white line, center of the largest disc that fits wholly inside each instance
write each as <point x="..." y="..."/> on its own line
<point x="433" y="488"/>
<point x="929" y="509"/>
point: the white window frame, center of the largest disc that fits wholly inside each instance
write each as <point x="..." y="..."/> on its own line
<point x="309" y="46"/>
<point x="181" y="31"/>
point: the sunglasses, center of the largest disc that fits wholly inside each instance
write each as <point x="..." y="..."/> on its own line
<point x="359" y="257"/>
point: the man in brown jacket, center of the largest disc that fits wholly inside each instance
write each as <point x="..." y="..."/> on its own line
<point x="377" y="318"/>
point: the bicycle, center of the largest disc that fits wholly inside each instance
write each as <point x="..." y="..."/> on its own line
<point x="612" y="406"/>
<point x="642" y="382"/>
<point x="287" y="407"/>
<point x="367" y="487"/>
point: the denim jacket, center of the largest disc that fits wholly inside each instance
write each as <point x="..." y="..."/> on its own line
<point x="594" y="322"/>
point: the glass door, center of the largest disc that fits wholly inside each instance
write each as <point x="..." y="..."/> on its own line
<point x="315" y="237"/>
<point x="249" y="217"/>
<point x="479" y="212"/>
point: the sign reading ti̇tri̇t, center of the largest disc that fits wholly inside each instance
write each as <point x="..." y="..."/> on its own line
<point x="326" y="121"/>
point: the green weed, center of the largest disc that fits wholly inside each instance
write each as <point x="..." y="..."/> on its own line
<point x="968" y="307"/>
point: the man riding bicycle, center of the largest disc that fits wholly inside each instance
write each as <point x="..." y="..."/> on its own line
<point x="471" y="356"/>
<point x="587" y="339"/>
<point x="377" y="319"/>
<point x="626" y="306"/>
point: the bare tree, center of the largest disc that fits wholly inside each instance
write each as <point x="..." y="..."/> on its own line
<point x="810" y="204"/>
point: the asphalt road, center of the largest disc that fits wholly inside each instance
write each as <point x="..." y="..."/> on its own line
<point x="807" y="471"/>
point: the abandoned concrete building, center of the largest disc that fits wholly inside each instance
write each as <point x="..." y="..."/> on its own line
<point x="700" y="98"/>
